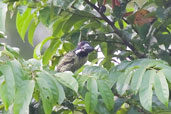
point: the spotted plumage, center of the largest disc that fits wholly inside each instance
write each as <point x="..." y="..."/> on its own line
<point x="73" y="60"/>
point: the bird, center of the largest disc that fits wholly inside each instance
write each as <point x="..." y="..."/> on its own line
<point x="74" y="59"/>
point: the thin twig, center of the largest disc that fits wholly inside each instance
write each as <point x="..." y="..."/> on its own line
<point x="117" y="31"/>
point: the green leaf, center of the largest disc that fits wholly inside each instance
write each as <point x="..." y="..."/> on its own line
<point x="167" y="73"/>
<point x="95" y="71"/>
<point x="63" y="3"/>
<point x="92" y="85"/>
<point x="106" y="94"/>
<point x="67" y="79"/>
<point x="113" y="77"/>
<point x="31" y="31"/>
<point x="57" y="26"/>
<point x="2" y="35"/>
<point x="61" y="92"/>
<point x="123" y="82"/>
<point x="161" y="88"/>
<point x="118" y="104"/>
<point x="23" y="97"/>
<point x="23" y="21"/>
<point x="38" y="48"/>
<point x="7" y="88"/>
<point x="18" y="72"/>
<point x="91" y="95"/>
<point x="68" y="46"/>
<point x="55" y="43"/>
<point x="143" y="30"/>
<point x="47" y="15"/>
<point x="13" y="51"/>
<point x="103" y="46"/>
<point x="145" y="93"/>
<point x="137" y="79"/>
<point x="90" y="102"/>
<point x="101" y="109"/>
<point x="49" y="91"/>
<point x="71" y="21"/>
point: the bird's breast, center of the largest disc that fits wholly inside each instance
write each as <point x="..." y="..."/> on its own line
<point x="79" y="61"/>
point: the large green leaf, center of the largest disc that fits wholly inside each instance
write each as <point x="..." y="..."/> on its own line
<point x="55" y="43"/>
<point x="123" y="82"/>
<point x="161" y="88"/>
<point x="23" y="21"/>
<point x="47" y="15"/>
<point x="167" y="73"/>
<point x="67" y="79"/>
<point x="38" y="48"/>
<point x="92" y="85"/>
<point x="23" y="96"/>
<point x="137" y="79"/>
<point x="62" y="3"/>
<point x="101" y="109"/>
<point x="90" y="102"/>
<point x="49" y="91"/>
<point x="31" y="31"/>
<point x="92" y="95"/>
<point x="106" y="94"/>
<point x="18" y="72"/>
<point x="96" y="71"/>
<point x="113" y="77"/>
<point x="145" y="93"/>
<point x="61" y="96"/>
<point x="7" y="88"/>
<point x="57" y="26"/>
<point x="71" y="21"/>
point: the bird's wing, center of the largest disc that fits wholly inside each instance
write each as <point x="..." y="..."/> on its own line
<point x="67" y="62"/>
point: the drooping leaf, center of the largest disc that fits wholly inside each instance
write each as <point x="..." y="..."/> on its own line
<point x="90" y="102"/>
<point x="23" y="21"/>
<point x="71" y="21"/>
<point x="167" y="73"/>
<point x="2" y="35"/>
<point x="137" y="79"/>
<point x="13" y="51"/>
<point x="100" y="108"/>
<point x="31" y="31"/>
<point x="92" y="85"/>
<point x="67" y="79"/>
<point x="23" y="97"/>
<point x="49" y="91"/>
<point x="145" y="93"/>
<point x="57" y="26"/>
<point x="106" y="94"/>
<point x="38" y="48"/>
<point x="7" y="88"/>
<point x="95" y="71"/>
<point x="123" y="82"/>
<point x="55" y="43"/>
<point x="61" y="96"/>
<point x="18" y="72"/>
<point x="118" y="104"/>
<point x="92" y="95"/>
<point x="113" y="77"/>
<point x="161" y="88"/>
<point x="63" y="3"/>
<point x="47" y="15"/>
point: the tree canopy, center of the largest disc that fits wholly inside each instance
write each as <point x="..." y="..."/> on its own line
<point x="129" y="73"/>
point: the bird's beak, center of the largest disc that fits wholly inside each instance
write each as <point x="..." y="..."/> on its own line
<point x="88" y="49"/>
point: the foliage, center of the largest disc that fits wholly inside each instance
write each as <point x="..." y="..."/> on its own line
<point x="133" y="77"/>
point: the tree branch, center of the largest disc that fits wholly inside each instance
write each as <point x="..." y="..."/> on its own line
<point x="117" y="31"/>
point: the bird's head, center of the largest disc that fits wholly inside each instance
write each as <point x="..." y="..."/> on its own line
<point x="83" y="48"/>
